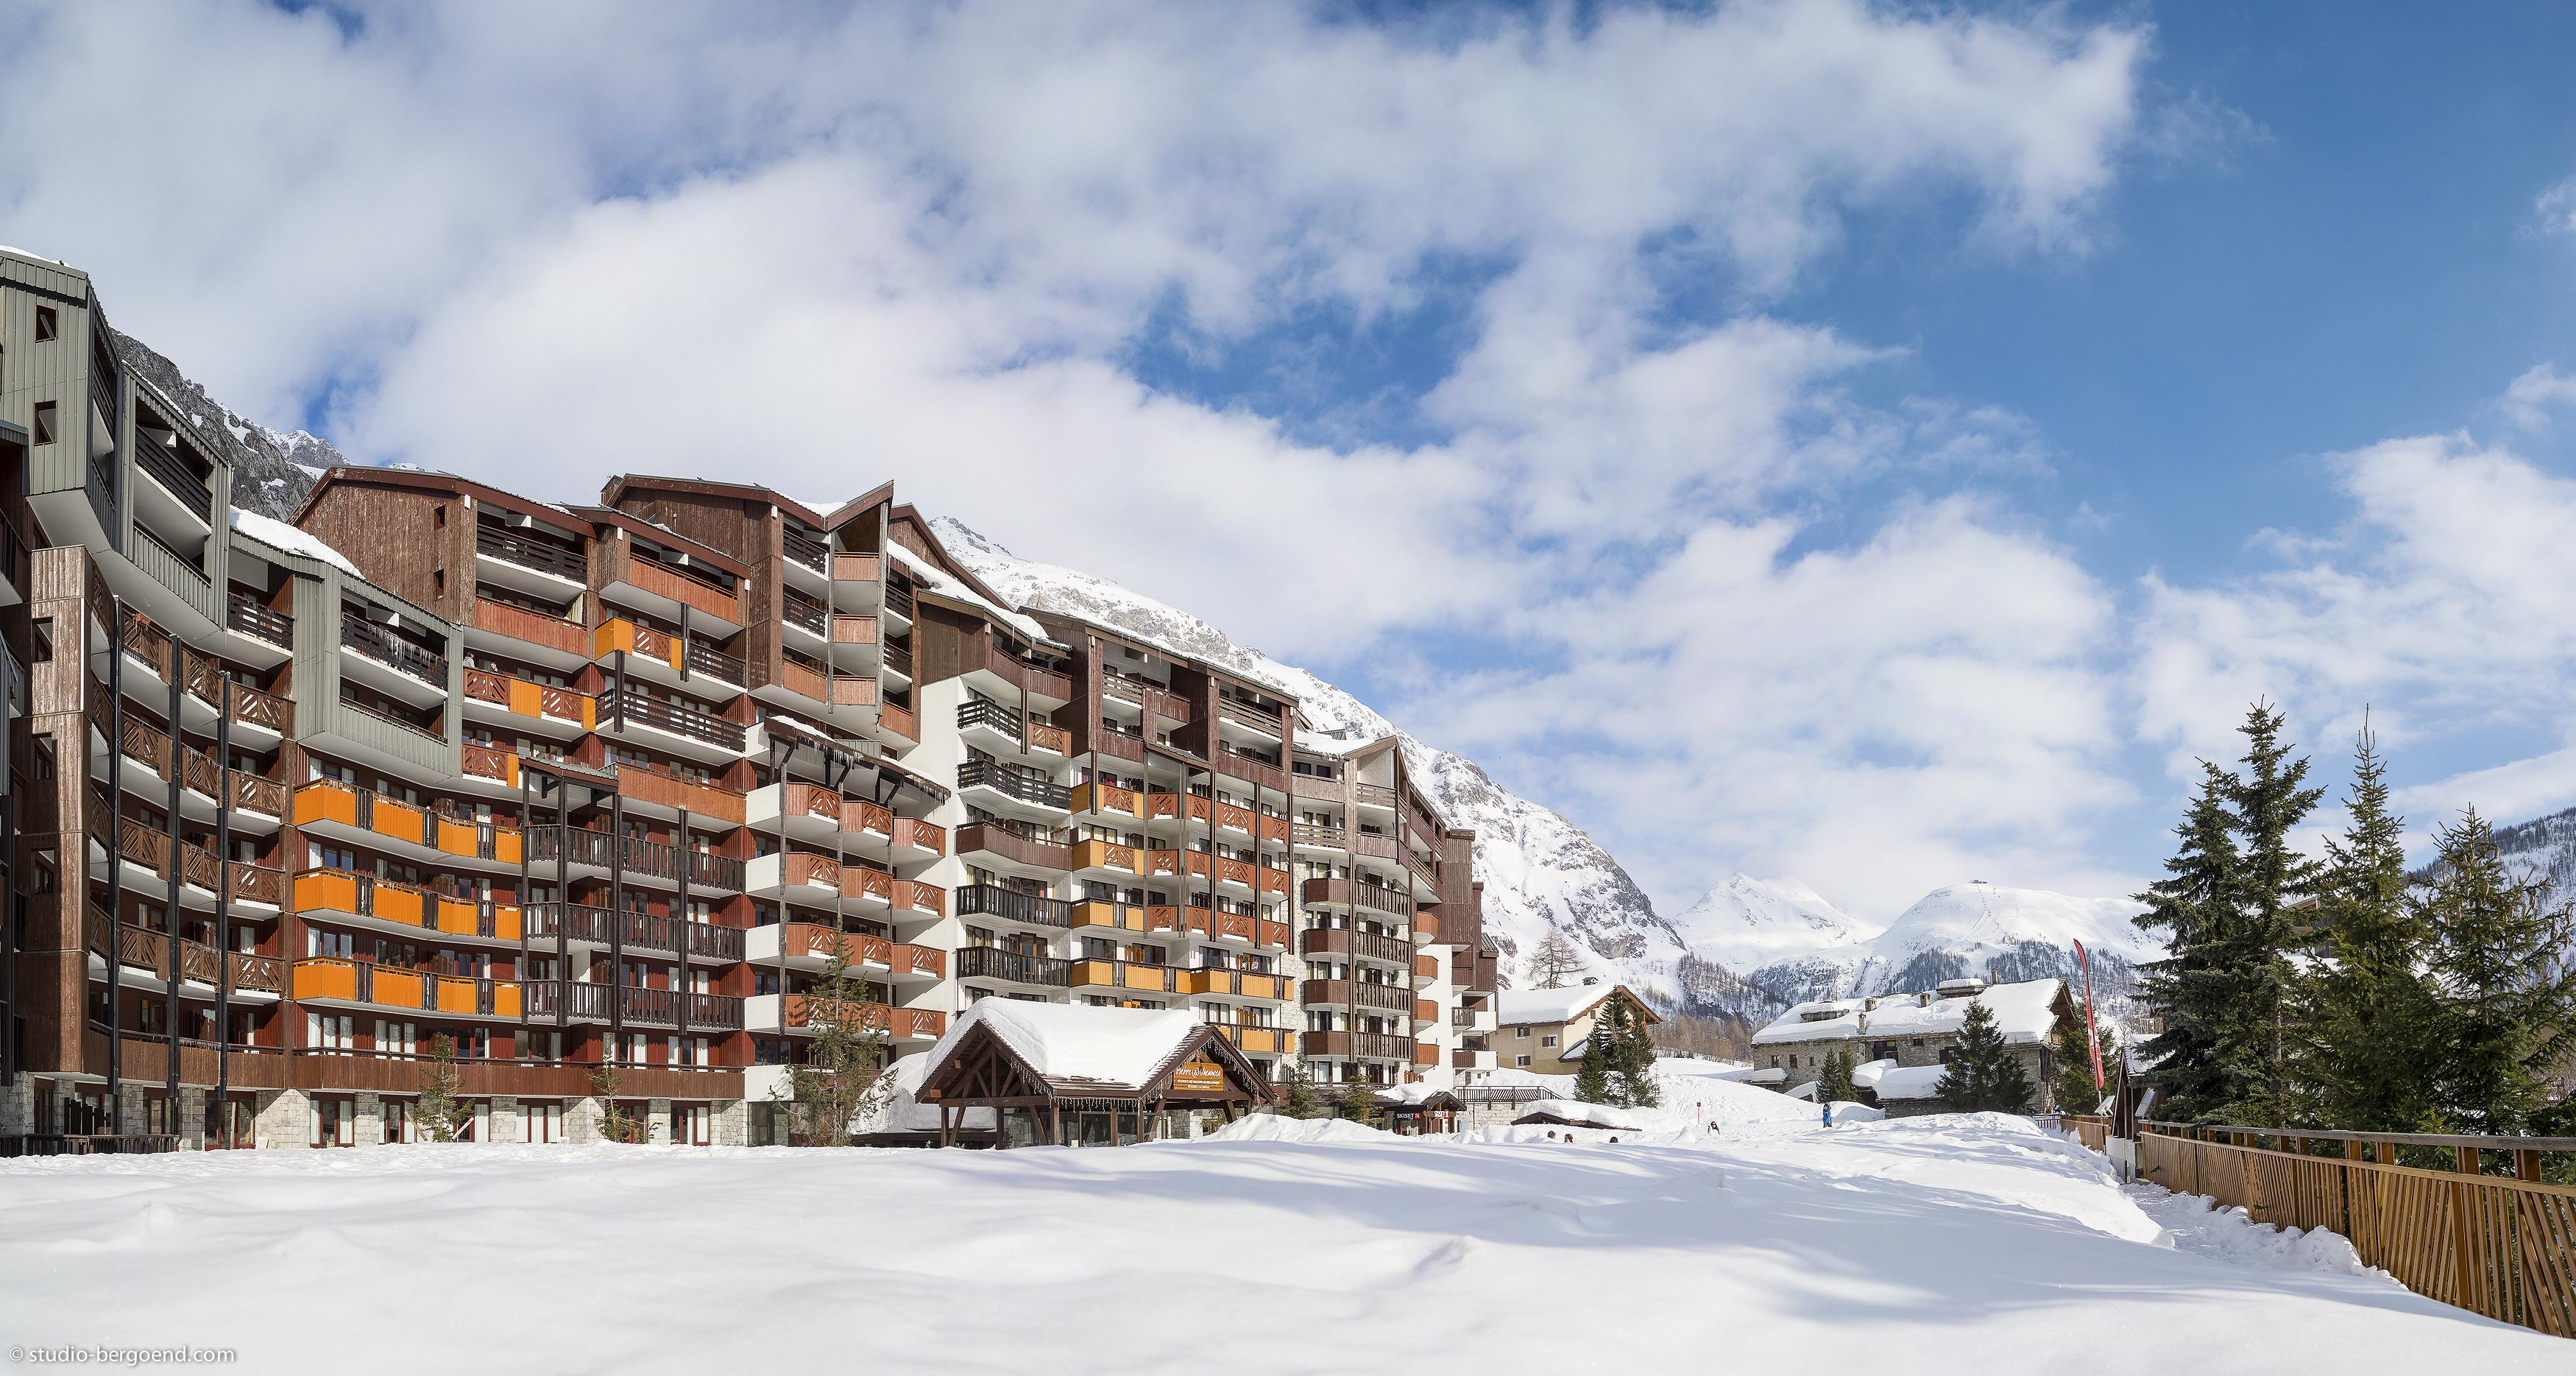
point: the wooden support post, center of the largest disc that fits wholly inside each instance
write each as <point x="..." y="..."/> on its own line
<point x="2526" y="1165"/>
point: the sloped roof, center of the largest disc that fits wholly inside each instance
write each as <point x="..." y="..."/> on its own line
<point x="2026" y="1011"/>
<point x="1559" y="1005"/>
<point x="1078" y="1049"/>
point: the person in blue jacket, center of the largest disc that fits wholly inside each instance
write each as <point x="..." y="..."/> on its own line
<point x="1829" y="1113"/>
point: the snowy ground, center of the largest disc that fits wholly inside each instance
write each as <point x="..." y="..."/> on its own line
<point x="1972" y="1243"/>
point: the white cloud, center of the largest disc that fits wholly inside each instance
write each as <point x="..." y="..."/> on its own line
<point x="2555" y="208"/>
<point x="2540" y="390"/>
<point x="819" y="249"/>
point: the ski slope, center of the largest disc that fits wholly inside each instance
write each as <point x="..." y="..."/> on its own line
<point x="1935" y="1244"/>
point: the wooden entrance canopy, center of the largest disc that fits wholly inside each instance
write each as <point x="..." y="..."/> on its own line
<point x="1048" y="1060"/>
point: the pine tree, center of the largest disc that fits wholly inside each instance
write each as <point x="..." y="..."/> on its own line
<point x="2369" y="1009"/>
<point x="440" y="1114"/>
<point x="1834" y="1082"/>
<point x="1632" y="1060"/>
<point x="2253" y="955"/>
<point x="1555" y="960"/>
<point x="1357" y="1102"/>
<point x="840" y="1079"/>
<point x="1592" y="1082"/>
<point x="1984" y="1074"/>
<point x="615" y="1123"/>
<point x="2192" y="908"/>
<point x="1303" y="1099"/>
<point x="2506" y="989"/>
<point x="2073" y="1086"/>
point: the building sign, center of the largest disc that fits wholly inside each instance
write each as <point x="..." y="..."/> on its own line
<point x="1199" y="1077"/>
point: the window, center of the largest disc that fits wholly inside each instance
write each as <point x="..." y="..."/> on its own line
<point x="1519" y="1061"/>
<point x="47" y="327"/>
<point x="44" y="422"/>
<point x="40" y="641"/>
<point x="1548" y="1040"/>
<point x="1521" y="1032"/>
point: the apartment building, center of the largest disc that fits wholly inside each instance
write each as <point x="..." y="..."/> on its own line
<point x="597" y="791"/>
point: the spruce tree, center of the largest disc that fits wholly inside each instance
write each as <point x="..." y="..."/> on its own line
<point x="1303" y="1099"/>
<point x="1592" y="1082"/>
<point x="1357" y="1102"/>
<point x="2254" y="952"/>
<point x="1632" y="1060"/>
<point x="2075" y="1086"/>
<point x="439" y="1112"/>
<point x="2192" y="908"/>
<point x="1984" y="1074"/>
<point x="615" y="1123"/>
<point x="2369" y="1009"/>
<point x="1834" y="1082"/>
<point x="2505" y="989"/>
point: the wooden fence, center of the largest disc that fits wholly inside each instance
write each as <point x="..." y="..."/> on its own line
<point x="2502" y="1246"/>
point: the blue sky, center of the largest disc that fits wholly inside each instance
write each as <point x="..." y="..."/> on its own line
<point x="1873" y="445"/>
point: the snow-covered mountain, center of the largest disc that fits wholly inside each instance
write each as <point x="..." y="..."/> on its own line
<point x="1540" y="870"/>
<point x="272" y="469"/>
<point x="1747" y="923"/>
<point x="1976" y="928"/>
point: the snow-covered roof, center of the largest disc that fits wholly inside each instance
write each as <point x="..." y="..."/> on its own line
<point x="2025" y="1011"/>
<point x="1867" y="1076"/>
<point x="1548" y="1005"/>
<point x="1588" y="1115"/>
<point x="1911" y="1082"/>
<point x="903" y="1113"/>
<point x="280" y="535"/>
<point x="937" y="582"/>
<point x="1073" y="1043"/>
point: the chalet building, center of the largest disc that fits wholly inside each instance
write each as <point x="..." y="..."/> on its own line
<point x="1544" y="1031"/>
<point x="603" y="788"/>
<point x="1900" y="1043"/>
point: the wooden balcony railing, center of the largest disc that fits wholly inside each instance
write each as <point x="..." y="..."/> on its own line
<point x="637" y="708"/>
<point x="992" y="900"/>
<point x="531" y="552"/>
<point x="1318" y="941"/>
<point x="850" y="567"/>
<point x="527" y="698"/>
<point x="534" y="628"/>
<point x="1342" y="893"/>
<point x="255" y="619"/>
<point x="377" y="643"/>
<point x="986" y="962"/>
<point x="1342" y="993"/>
<point x="899" y="720"/>
<point x="985" y="838"/>
<point x="1015" y="783"/>
<point x="1366" y="1046"/>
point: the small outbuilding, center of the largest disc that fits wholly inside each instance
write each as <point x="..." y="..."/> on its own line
<point x="1412" y="1110"/>
<point x="1574" y="1113"/>
<point x="1057" y="1074"/>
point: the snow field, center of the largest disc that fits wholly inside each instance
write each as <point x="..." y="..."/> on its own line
<point x="1969" y="1242"/>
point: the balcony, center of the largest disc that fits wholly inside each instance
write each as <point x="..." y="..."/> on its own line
<point x="1343" y="993"/>
<point x="702" y="658"/>
<point x="1023" y="787"/>
<point x="1342" y="893"/>
<point x="1108" y="856"/>
<point x="582" y="925"/>
<point x="1125" y="975"/>
<point x="1260" y="1041"/>
<point x="1364" y="1046"/>
<point x="852" y="567"/>
<point x="1100" y="798"/>
<point x="1239" y="984"/>
<point x="804" y="549"/>
<point x="1334" y="941"/>
<point x="412" y="664"/>
<point x="557" y="641"/>
<point x="257" y="621"/>
<point x="333" y="980"/>
<point x="668" y="588"/>
<point x="549" y="557"/>
<point x="639" y="859"/>
<point x="984" y="842"/>
<point x="1001" y="674"/>
<point x="1010" y="905"/>
<point x="798" y="875"/>
<point x="810" y="946"/>
<point x="1012" y="967"/>
<point x="592" y="1003"/>
<point x="567" y="711"/>
<point x="1262" y="719"/>
<point x="1258" y="770"/>
<point x="175" y="477"/>
<point x="635" y="708"/>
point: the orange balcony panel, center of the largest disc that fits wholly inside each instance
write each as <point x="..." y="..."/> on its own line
<point x="1097" y="854"/>
<point x="325" y="890"/>
<point x="527" y="699"/>
<point x="619" y="633"/>
<point x="1099" y="797"/>
<point x="325" y="801"/>
<point x="395" y="903"/>
<point x="1094" y="973"/>
<point x="1045" y="737"/>
<point x="401" y="821"/>
<point x="326" y="979"/>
